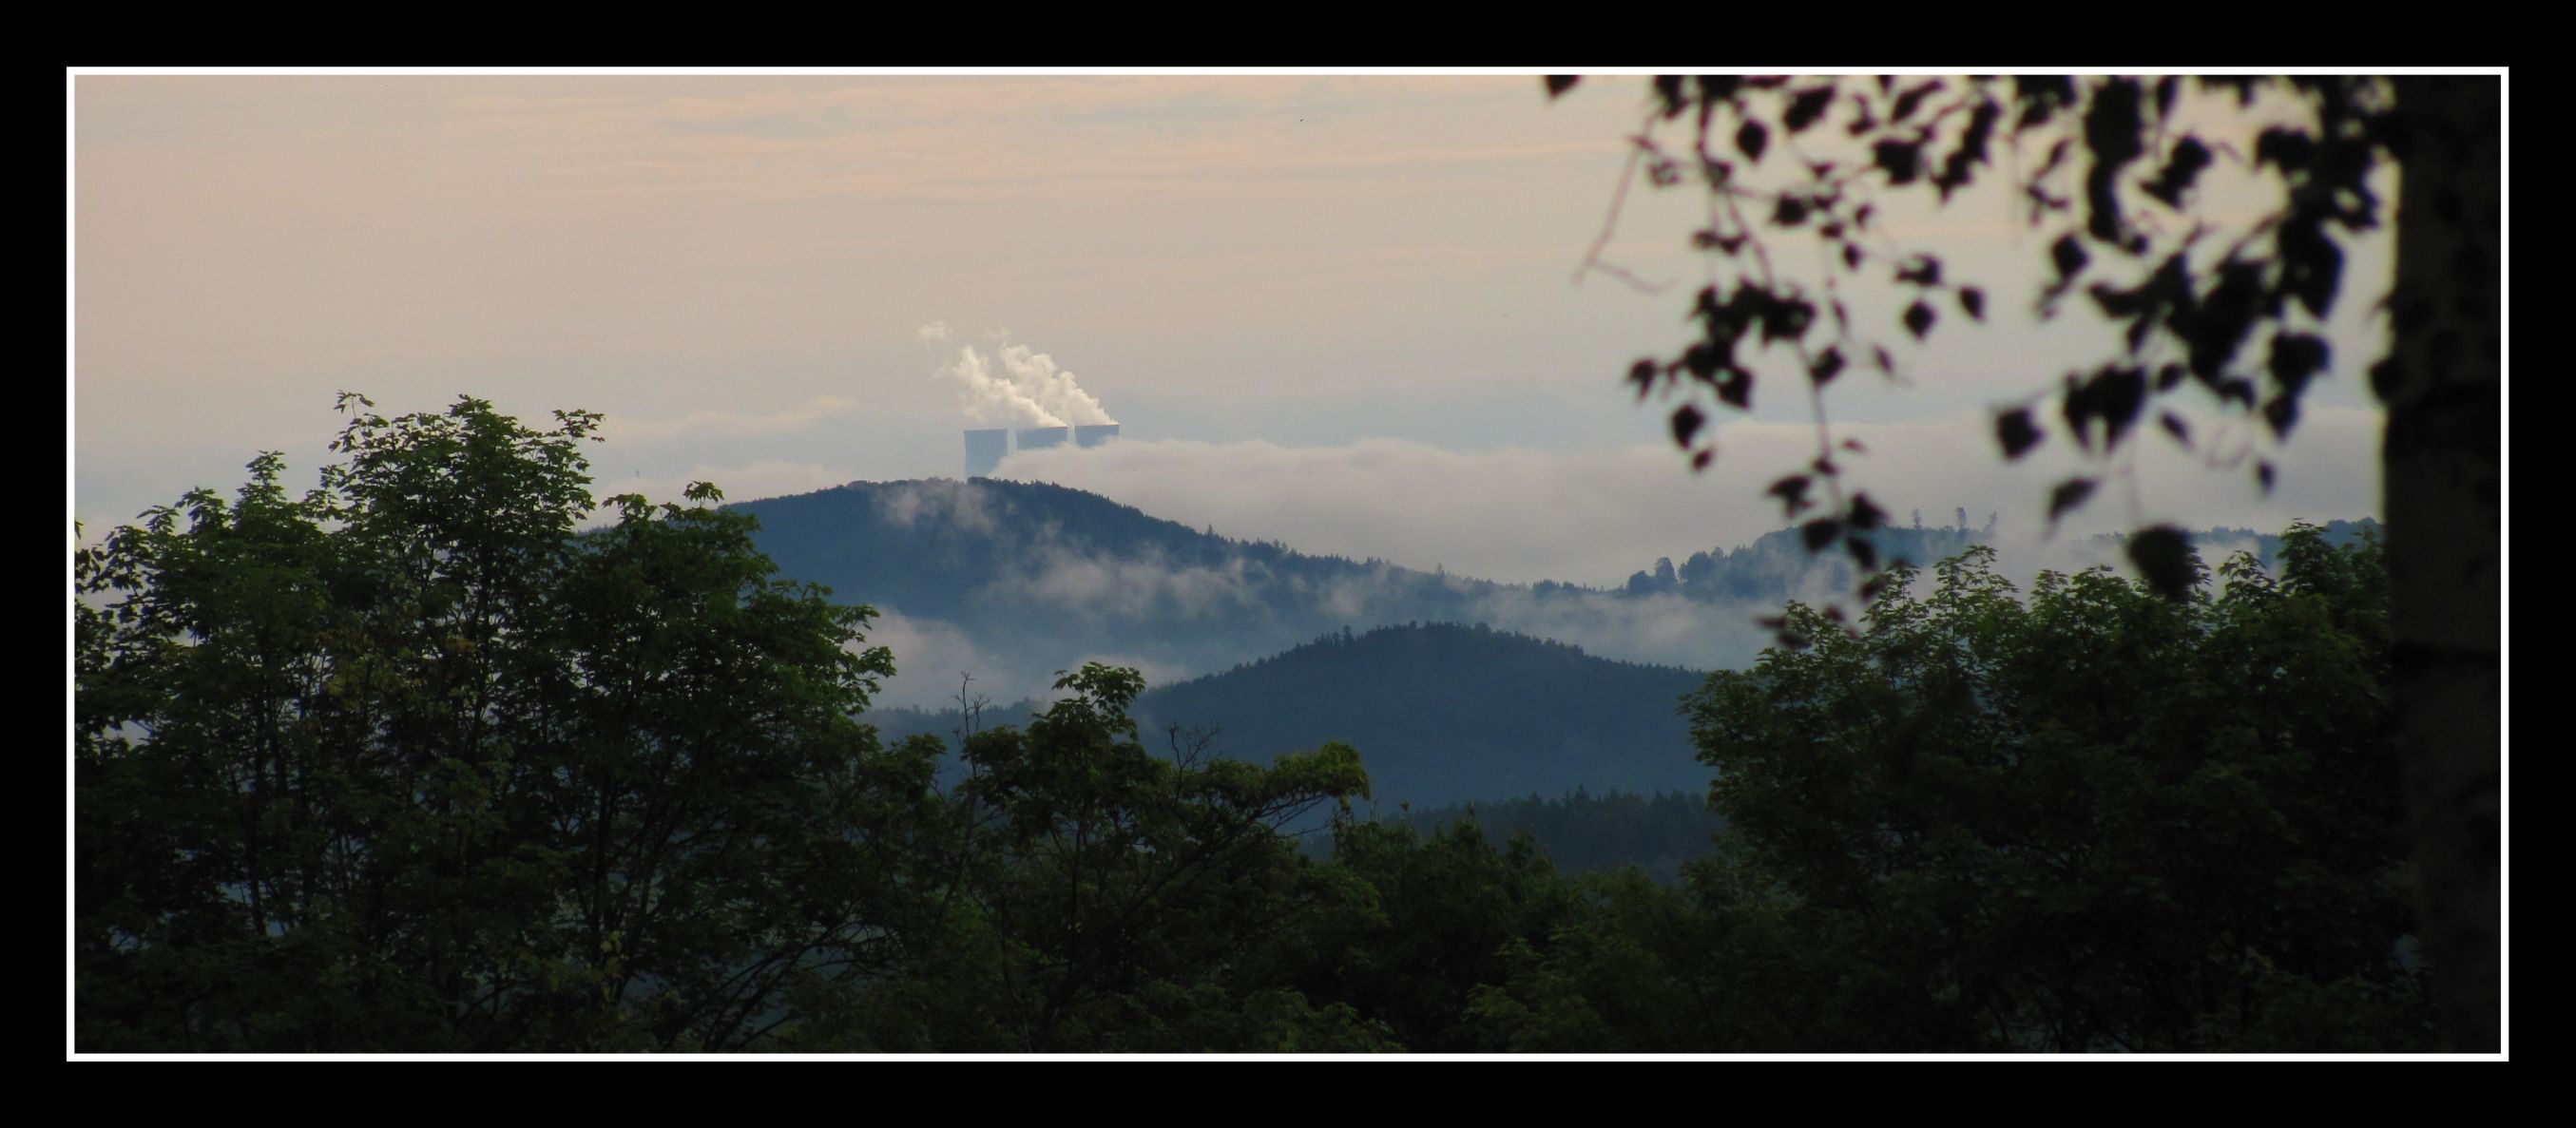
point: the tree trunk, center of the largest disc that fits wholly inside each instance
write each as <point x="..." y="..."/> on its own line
<point x="2442" y="462"/>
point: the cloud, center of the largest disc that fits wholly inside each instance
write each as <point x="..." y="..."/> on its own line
<point x="1593" y="516"/>
<point x="929" y="657"/>
<point x="935" y="331"/>
<point x="724" y="424"/>
<point x="776" y="478"/>
<point x="942" y="502"/>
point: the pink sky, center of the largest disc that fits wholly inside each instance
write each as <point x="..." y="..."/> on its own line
<point x="737" y="270"/>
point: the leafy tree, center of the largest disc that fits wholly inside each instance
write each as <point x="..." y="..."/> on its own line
<point x="1444" y="915"/>
<point x="2097" y="819"/>
<point x="2230" y="316"/>
<point x="1582" y="832"/>
<point x="1093" y="896"/>
<point x="410" y="763"/>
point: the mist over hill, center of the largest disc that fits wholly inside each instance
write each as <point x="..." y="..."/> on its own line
<point x="1440" y="713"/>
<point x="1013" y="581"/>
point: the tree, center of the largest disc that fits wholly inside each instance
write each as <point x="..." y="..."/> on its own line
<point x="2189" y="300"/>
<point x="2097" y="819"/>
<point x="414" y="763"/>
<point x="1092" y="896"/>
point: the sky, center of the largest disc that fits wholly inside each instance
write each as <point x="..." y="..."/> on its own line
<point x="1342" y="312"/>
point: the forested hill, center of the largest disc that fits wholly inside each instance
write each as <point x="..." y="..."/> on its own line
<point x="1024" y="579"/>
<point x="1581" y="832"/>
<point x="1777" y="567"/>
<point x="943" y="547"/>
<point x="1013" y="581"/>
<point x="1440" y="714"/>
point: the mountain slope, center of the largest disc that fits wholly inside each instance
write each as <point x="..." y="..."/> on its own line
<point x="1440" y="714"/>
<point x="1024" y="579"/>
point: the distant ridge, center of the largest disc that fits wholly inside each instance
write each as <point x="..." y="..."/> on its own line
<point x="1440" y="714"/>
<point x="1017" y="580"/>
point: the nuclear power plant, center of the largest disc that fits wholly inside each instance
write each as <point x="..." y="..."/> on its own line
<point x="985" y="448"/>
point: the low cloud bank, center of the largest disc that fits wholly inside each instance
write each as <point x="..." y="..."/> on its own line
<point x="1594" y="516"/>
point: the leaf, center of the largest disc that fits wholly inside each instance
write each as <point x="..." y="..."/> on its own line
<point x="1807" y="107"/>
<point x="2112" y="131"/>
<point x="1718" y="87"/>
<point x="2163" y="556"/>
<point x="1643" y="374"/>
<point x="2263" y="476"/>
<point x="1669" y="88"/>
<point x="2311" y="264"/>
<point x="1918" y="319"/>
<point x="2296" y="357"/>
<point x="2068" y="255"/>
<point x="2281" y="413"/>
<point x="1558" y="84"/>
<point x="2016" y="432"/>
<point x="1863" y="552"/>
<point x="1702" y="360"/>
<point x="1701" y="460"/>
<point x="2181" y="169"/>
<point x="1901" y="159"/>
<point x="1865" y="514"/>
<point x="1961" y="165"/>
<point x="2068" y="494"/>
<point x="1820" y="532"/>
<point x="2290" y="149"/>
<point x="2174" y="426"/>
<point x="1973" y="300"/>
<point x="1687" y="420"/>
<point x="1827" y="366"/>
<point x="1751" y="139"/>
<point x="1912" y="100"/>
<point x="1792" y="492"/>
<point x="2113" y="395"/>
<point x="1737" y="389"/>
<point x="1790" y="211"/>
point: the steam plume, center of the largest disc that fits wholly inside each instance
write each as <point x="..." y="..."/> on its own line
<point x="1017" y="387"/>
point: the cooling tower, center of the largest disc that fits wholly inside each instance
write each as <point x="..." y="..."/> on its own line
<point x="1040" y="438"/>
<point x="1095" y="434"/>
<point x="984" y="451"/>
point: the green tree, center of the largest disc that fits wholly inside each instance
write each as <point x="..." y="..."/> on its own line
<point x="412" y="763"/>
<point x="2092" y="819"/>
<point x="1093" y="896"/>
<point x="2231" y="316"/>
<point x="1443" y="915"/>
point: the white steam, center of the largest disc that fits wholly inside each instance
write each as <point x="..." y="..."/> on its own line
<point x="1014" y="386"/>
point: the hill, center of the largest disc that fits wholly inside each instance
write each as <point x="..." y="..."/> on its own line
<point x="1013" y="581"/>
<point x="1016" y="580"/>
<point x="1441" y="714"/>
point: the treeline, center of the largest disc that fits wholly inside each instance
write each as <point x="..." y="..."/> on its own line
<point x="1449" y="713"/>
<point x="407" y="764"/>
<point x="1777" y="567"/>
<point x="1581" y="833"/>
